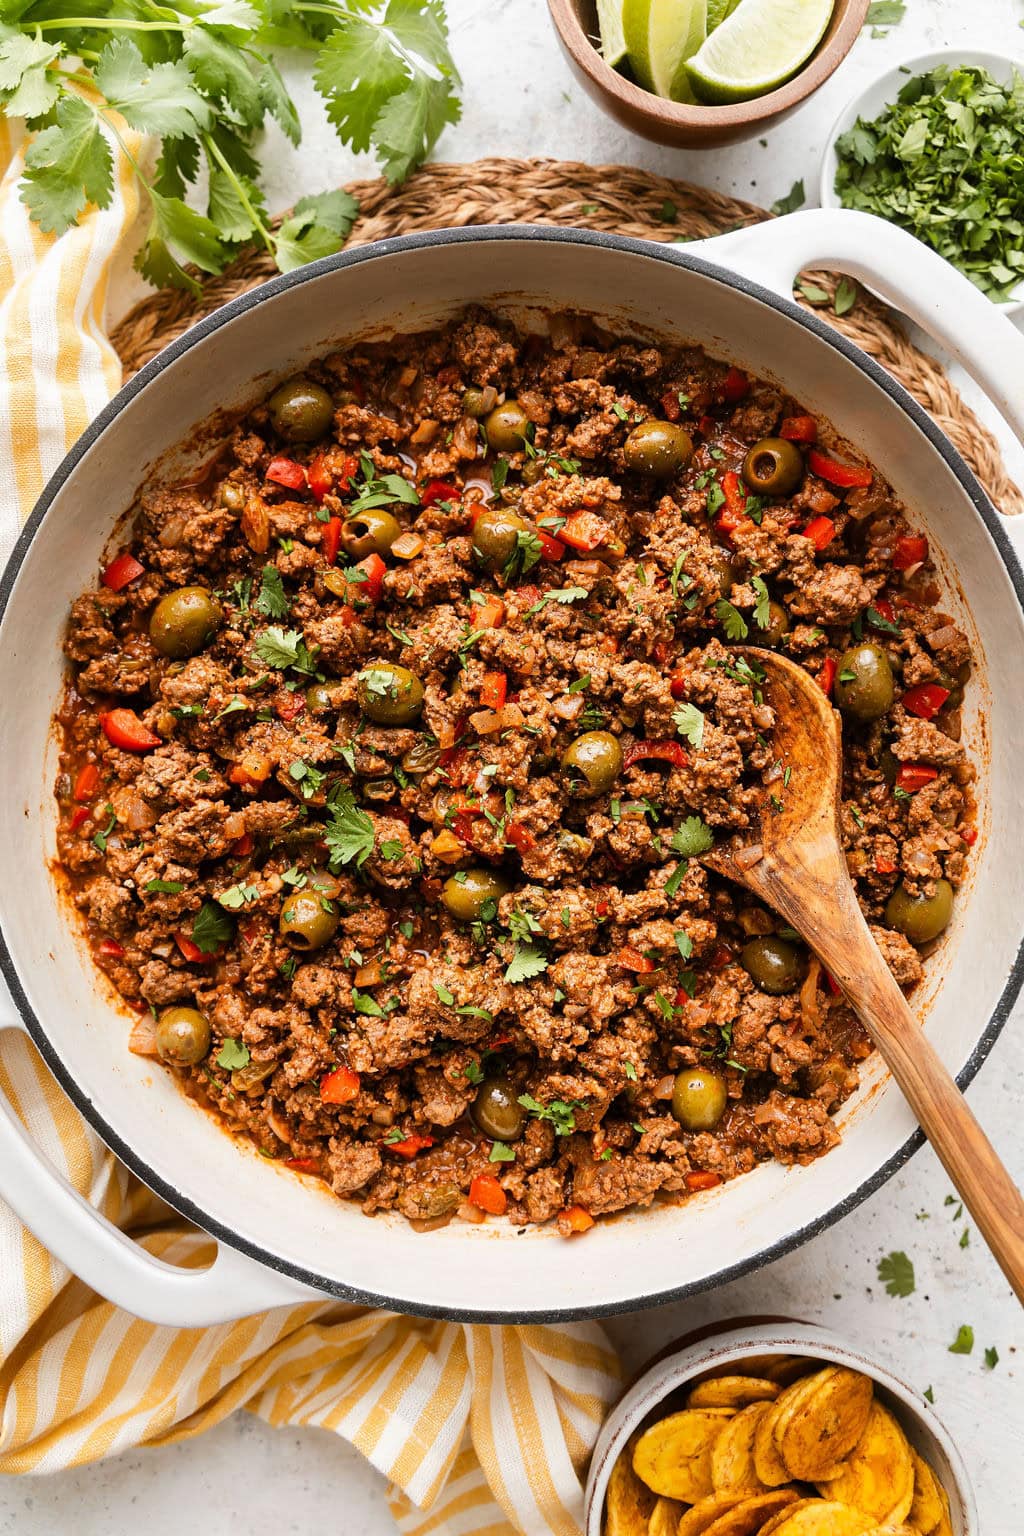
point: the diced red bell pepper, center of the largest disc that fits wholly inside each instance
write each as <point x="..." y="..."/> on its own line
<point x="585" y="531"/>
<point x="827" y="676"/>
<point x="191" y="951"/>
<point x="609" y="644"/>
<point x="243" y="846"/>
<point x="602" y="906"/>
<point x="319" y="476"/>
<point x="660" y="751"/>
<point x="372" y="587"/>
<point x="836" y="471"/>
<point x="925" y="700"/>
<point x="489" y="615"/>
<point x="682" y="997"/>
<point x="914" y="776"/>
<point x="289" y="706"/>
<point x="735" y="495"/>
<point x="911" y="549"/>
<point x="706" y="426"/>
<point x="121" y="571"/>
<point x="721" y="956"/>
<point x="330" y="540"/>
<point x="884" y="865"/>
<point x="831" y="984"/>
<point x="522" y="840"/>
<point x="287" y="473"/>
<point x="124" y="729"/>
<point x="969" y="835"/>
<point x="410" y="1146"/>
<point x="632" y="960"/>
<point x="79" y="817"/>
<point x="303" y="1164"/>
<point x="462" y="826"/>
<point x="735" y="386"/>
<point x="885" y="610"/>
<point x="677" y="685"/>
<point x="493" y="690"/>
<point x="574" y="1219"/>
<point x="340" y="1086"/>
<point x="670" y="406"/>
<point x="110" y="949"/>
<point x="487" y="1193"/>
<point x="551" y="550"/>
<point x="87" y="782"/>
<point x="820" y="531"/>
<point x="439" y="490"/>
<point x="799" y="429"/>
<point x="702" y="1179"/>
<point x="349" y="467"/>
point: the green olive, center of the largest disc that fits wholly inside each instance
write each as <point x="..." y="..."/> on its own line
<point x="591" y="764"/>
<point x="497" y="1112"/>
<point x="309" y="919"/>
<point x="477" y="402"/>
<point x="389" y="694"/>
<point x="320" y="698"/>
<point x="774" y="965"/>
<point x="182" y="1036"/>
<point x="231" y="495"/>
<point x="888" y="764"/>
<point x="533" y="471"/>
<point x="698" y="1098"/>
<point x="422" y="757"/>
<point x="300" y="410"/>
<point x="496" y="535"/>
<point x="776" y="627"/>
<point x="185" y="621"/>
<point x="658" y="448"/>
<point x="473" y="894"/>
<point x="369" y="533"/>
<point x="864" y="687"/>
<point x="920" y="918"/>
<point x="378" y="791"/>
<point x="507" y="426"/>
<point x="773" y="467"/>
<point x="723" y="570"/>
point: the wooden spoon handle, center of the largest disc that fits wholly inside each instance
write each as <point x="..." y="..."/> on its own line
<point x="961" y="1145"/>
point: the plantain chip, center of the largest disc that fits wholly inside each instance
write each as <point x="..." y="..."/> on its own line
<point x="768" y="1464"/>
<point x="732" y="1392"/>
<point x="732" y="1460"/>
<point x="820" y="1517"/>
<point x="628" y="1502"/>
<point x="785" y="1369"/>
<point x="945" y="1525"/>
<point x="673" y="1457"/>
<point x="665" y="1517"/>
<point x="706" y="1511"/>
<point x="893" y="1530"/>
<point x="783" y="1515"/>
<point x="878" y="1475"/>
<point x="926" y="1509"/>
<point x="749" y="1516"/>
<point x="827" y="1417"/>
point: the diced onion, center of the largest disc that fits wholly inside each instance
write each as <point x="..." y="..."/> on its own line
<point x="665" y="1088"/>
<point x="408" y="545"/>
<point x="425" y="432"/>
<point x="142" y="1038"/>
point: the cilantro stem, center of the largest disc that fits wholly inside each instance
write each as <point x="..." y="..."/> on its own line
<point x="91" y="24"/>
<point x="213" y="150"/>
<point x="339" y="14"/>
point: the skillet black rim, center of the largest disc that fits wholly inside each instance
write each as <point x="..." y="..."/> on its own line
<point x="252" y="300"/>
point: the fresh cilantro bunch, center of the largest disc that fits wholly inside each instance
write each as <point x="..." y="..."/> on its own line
<point x="200" y="77"/>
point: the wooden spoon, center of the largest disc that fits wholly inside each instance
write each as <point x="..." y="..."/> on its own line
<point x="798" y="868"/>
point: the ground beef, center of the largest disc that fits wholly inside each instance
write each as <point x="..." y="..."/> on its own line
<point x="431" y="1050"/>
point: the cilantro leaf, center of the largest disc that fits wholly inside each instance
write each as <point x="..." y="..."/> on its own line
<point x="762" y="609"/>
<point x="233" y="1055"/>
<point x="363" y="1003"/>
<point x="689" y="722"/>
<point x="897" y="1274"/>
<point x="794" y="199"/>
<point x="560" y="1112"/>
<point x="154" y="98"/>
<point x="500" y="1153"/>
<point x="731" y="619"/>
<point x="349" y="833"/>
<point x="271" y="600"/>
<point x="317" y="226"/>
<point x="178" y="235"/>
<point x="211" y="927"/>
<point x="885" y="13"/>
<point x="67" y="166"/>
<point x="238" y="895"/>
<point x="527" y="961"/>
<point x="964" y="1341"/>
<point x="163" y="887"/>
<point x="558" y="595"/>
<point x="693" y="836"/>
<point x="27" y="89"/>
<point x="991" y="1358"/>
<point x="282" y="649"/>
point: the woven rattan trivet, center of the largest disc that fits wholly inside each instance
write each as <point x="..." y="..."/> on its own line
<point x="603" y="197"/>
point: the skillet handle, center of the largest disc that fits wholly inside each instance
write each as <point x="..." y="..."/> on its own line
<point x="111" y="1263"/>
<point x="909" y="275"/>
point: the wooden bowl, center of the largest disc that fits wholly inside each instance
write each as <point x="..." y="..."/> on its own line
<point x="680" y="124"/>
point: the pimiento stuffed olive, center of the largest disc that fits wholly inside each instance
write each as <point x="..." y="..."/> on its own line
<point x="320" y="698"/>
<point x="182" y="1036"/>
<point x="698" y="1098"/>
<point x="473" y="894"/>
<point x="309" y="920"/>
<point x="185" y="621"/>
<point x="658" y="448"/>
<point x="773" y="467"/>
<point x="496" y="1110"/>
<point x="496" y="536"/>
<point x="920" y="918"/>
<point x="300" y="410"/>
<point x="389" y="694"/>
<point x="864" y="687"/>
<point x="507" y="427"/>
<point x="591" y="764"/>
<point x="723" y="570"/>
<point x="774" y="965"/>
<point x="369" y="533"/>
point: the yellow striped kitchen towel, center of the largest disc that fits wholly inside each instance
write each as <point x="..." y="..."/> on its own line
<point x="480" y="1431"/>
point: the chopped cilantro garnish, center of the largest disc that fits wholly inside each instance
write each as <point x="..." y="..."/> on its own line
<point x="897" y="1273"/>
<point x="689" y="722"/>
<point x="211" y="927"/>
<point x="233" y="1055"/>
<point x="693" y="836"/>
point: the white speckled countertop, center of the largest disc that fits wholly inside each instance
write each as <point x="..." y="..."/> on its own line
<point x="520" y="100"/>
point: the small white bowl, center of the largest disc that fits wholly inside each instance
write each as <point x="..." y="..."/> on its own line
<point x="883" y="91"/>
<point x="919" y="1421"/>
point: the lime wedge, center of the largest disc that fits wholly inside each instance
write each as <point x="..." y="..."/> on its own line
<point x="718" y="10"/>
<point x="660" y="36"/>
<point x="609" y="24"/>
<point x="757" y="48"/>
